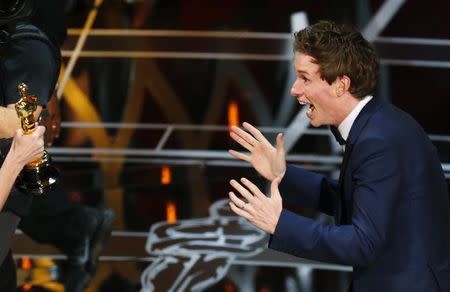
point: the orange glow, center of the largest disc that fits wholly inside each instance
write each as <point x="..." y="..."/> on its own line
<point x="233" y="114"/>
<point x="171" y="212"/>
<point x="228" y="287"/>
<point x="26" y="263"/>
<point x="166" y="175"/>
<point x="27" y="287"/>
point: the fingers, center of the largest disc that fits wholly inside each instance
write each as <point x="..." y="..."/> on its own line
<point x="252" y="187"/>
<point x="239" y="207"/>
<point x="40" y="143"/>
<point x="241" y="141"/>
<point x="241" y="135"/>
<point x="236" y="201"/>
<point x="35" y="139"/>
<point x="238" y="211"/>
<point x="38" y="135"/>
<point x="255" y="132"/>
<point x="239" y="155"/>
<point x="40" y="130"/>
<point x="243" y="191"/>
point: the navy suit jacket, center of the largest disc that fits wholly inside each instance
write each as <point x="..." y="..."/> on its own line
<point x="391" y="207"/>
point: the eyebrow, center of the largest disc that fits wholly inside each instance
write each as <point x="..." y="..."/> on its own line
<point x="303" y="72"/>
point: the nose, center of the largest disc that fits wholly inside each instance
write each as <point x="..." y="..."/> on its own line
<point x="297" y="88"/>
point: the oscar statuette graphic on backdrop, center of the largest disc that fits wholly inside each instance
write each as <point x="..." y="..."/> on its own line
<point x="38" y="176"/>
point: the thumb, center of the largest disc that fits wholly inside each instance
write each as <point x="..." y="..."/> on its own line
<point x="280" y="143"/>
<point x="39" y="131"/>
<point x="274" y="190"/>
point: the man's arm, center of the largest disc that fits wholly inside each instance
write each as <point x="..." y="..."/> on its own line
<point x="375" y="197"/>
<point x="307" y="189"/>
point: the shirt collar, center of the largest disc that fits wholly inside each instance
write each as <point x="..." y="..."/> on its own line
<point x="345" y="126"/>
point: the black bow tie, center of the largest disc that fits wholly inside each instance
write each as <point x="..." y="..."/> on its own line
<point x="337" y="135"/>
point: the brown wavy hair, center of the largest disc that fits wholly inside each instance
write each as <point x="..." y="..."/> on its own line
<point x="340" y="50"/>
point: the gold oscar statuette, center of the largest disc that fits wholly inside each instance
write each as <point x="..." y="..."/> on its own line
<point x="37" y="176"/>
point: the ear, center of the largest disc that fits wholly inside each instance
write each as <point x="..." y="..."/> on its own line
<point x="342" y="85"/>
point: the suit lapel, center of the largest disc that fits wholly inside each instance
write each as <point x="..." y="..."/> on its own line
<point x="344" y="213"/>
<point x="357" y="127"/>
<point x="363" y="117"/>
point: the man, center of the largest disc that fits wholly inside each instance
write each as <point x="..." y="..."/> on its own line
<point x="390" y="205"/>
<point x="31" y="55"/>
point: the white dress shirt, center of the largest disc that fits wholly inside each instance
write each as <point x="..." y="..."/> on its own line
<point x="345" y="126"/>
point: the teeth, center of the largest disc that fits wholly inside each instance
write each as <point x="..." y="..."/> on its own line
<point x="311" y="107"/>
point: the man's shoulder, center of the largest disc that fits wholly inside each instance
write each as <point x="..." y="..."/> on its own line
<point x="390" y="118"/>
<point x="394" y="127"/>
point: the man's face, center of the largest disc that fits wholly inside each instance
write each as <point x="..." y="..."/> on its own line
<point x="313" y="91"/>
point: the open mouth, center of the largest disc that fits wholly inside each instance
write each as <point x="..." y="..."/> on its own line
<point x="310" y="109"/>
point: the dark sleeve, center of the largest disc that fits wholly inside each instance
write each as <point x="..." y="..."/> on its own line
<point x="18" y="202"/>
<point x="49" y="16"/>
<point x="375" y="196"/>
<point x="309" y="190"/>
<point x="32" y="61"/>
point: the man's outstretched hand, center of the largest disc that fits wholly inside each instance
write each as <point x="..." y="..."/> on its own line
<point x="270" y="162"/>
<point x="264" y="212"/>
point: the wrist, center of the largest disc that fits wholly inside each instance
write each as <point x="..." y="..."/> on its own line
<point x="13" y="164"/>
<point x="275" y="223"/>
<point x="280" y="175"/>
